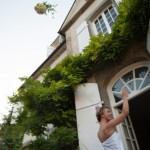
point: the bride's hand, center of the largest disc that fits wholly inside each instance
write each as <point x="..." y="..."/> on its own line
<point x="124" y="92"/>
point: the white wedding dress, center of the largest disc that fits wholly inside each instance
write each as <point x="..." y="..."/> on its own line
<point x="114" y="142"/>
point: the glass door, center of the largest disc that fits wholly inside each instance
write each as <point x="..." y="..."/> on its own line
<point x="129" y="134"/>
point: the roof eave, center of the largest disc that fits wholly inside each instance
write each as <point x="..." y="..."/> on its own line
<point x="63" y="28"/>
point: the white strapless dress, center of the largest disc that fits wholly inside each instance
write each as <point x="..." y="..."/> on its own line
<point x="114" y="142"/>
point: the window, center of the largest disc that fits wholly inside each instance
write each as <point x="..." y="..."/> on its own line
<point x="129" y="134"/>
<point x="106" y="20"/>
<point x="135" y="80"/>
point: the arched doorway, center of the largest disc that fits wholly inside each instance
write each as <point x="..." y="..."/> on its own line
<point x="140" y="117"/>
<point x="136" y="78"/>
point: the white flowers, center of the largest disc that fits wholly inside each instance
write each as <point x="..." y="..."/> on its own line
<point x="41" y="8"/>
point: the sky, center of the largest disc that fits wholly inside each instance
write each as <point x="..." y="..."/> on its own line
<point x="24" y="38"/>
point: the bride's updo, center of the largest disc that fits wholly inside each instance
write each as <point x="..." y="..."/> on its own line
<point x="99" y="112"/>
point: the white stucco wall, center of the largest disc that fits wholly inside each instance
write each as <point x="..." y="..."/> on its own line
<point x="59" y="59"/>
<point x="86" y="99"/>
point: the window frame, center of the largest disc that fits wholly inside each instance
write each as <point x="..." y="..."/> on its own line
<point x="104" y="18"/>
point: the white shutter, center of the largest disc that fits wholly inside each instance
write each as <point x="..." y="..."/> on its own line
<point x="86" y="98"/>
<point x="83" y="36"/>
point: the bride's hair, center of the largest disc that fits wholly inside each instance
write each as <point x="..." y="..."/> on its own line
<point x="99" y="112"/>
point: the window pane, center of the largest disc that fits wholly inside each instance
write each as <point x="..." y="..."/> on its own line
<point x="147" y="81"/>
<point x="96" y="22"/>
<point x="117" y="97"/>
<point x="125" y="131"/>
<point x="141" y="72"/>
<point x="131" y="132"/>
<point x="103" y="25"/>
<point x="109" y="20"/>
<point x="112" y="11"/>
<point x="128" y="121"/>
<point x="127" y="77"/>
<point x="101" y="21"/>
<point x="118" y="86"/>
<point x="111" y="15"/>
<point x="131" y="85"/>
<point x="129" y="144"/>
<point x="134" y="145"/>
<point x="100" y="17"/>
<point x="107" y="15"/>
<point x="106" y="11"/>
<point x="138" y="83"/>
<point x="114" y="16"/>
<point x="105" y="30"/>
<point x="100" y="25"/>
<point x="111" y="23"/>
<point x="99" y="30"/>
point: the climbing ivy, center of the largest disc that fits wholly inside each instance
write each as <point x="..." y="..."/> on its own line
<point x="132" y="24"/>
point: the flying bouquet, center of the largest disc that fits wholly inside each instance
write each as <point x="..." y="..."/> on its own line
<point x="43" y="8"/>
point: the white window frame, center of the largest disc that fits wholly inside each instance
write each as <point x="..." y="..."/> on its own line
<point x="105" y="20"/>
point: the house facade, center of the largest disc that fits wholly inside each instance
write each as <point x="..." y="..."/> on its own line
<point x="87" y="18"/>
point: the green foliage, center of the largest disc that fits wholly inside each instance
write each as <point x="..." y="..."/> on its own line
<point x="11" y="135"/>
<point x="133" y="17"/>
<point x="53" y="102"/>
<point x="71" y="71"/>
<point x="64" y="139"/>
<point x="40" y="144"/>
<point x="61" y="139"/>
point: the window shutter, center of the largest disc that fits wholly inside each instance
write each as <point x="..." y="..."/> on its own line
<point x="87" y="97"/>
<point x="83" y="36"/>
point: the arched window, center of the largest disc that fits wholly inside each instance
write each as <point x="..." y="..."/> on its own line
<point x="134" y="80"/>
